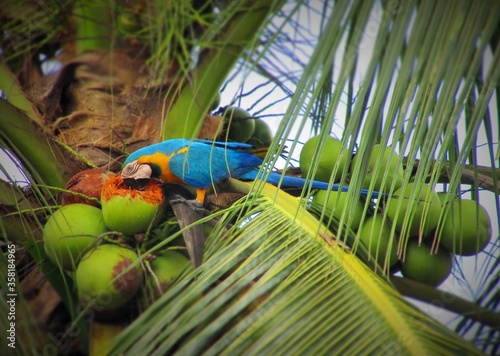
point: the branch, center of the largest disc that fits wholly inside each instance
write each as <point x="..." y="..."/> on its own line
<point x="480" y="176"/>
<point x="446" y="300"/>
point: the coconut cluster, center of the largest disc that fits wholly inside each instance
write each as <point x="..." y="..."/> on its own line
<point x="108" y="274"/>
<point x="240" y="126"/>
<point x="414" y="211"/>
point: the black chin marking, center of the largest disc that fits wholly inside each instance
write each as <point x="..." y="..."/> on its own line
<point x="136" y="183"/>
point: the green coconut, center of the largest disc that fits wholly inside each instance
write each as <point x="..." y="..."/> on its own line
<point x="389" y="169"/>
<point x="215" y="103"/>
<point x="101" y="279"/>
<point x="423" y="266"/>
<point x="166" y="267"/>
<point x="466" y="228"/>
<point x="262" y="135"/>
<point x="130" y="211"/>
<point x="375" y="234"/>
<point x="424" y="208"/>
<point x="334" y="202"/>
<point x="240" y="124"/>
<point x="331" y="153"/>
<point x="70" y="232"/>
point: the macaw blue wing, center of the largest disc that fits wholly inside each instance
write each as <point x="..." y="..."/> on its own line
<point x="204" y="163"/>
<point x="296" y="182"/>
<point x="201" y="163"/>
<point x="166" y="148"/>
<point x="232" y="145"/>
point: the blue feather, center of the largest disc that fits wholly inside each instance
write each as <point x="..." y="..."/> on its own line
<point x="166" y="147"/>
<point x="202" y="163"/>
<point x="205" y="164"/>
<point x="296" y="182"/>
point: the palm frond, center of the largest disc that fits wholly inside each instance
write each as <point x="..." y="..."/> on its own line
<point x="271" y="284"/>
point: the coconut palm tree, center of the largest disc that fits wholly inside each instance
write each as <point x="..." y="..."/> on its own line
<point x="86" y="83"/>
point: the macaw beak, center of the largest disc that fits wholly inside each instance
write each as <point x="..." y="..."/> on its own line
<point x="136" y="175"/>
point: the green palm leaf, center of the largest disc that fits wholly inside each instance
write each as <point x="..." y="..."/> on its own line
<point x="272" y="285"/>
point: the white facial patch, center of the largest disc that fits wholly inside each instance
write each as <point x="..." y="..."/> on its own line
<point x="136" y="171"/>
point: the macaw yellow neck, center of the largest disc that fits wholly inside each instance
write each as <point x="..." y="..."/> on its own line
<point x="161" y="161"/>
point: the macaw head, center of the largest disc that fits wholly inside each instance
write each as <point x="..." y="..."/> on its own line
<point x="136" y="175"/>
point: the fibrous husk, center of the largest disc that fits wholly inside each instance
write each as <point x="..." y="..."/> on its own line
<point x="105" y="105"/>
<point x="102" y="105"/>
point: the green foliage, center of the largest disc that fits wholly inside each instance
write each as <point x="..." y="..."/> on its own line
<point x="236" y="30"/>
<point x="92" y="25"/>
<point x="39" y="155"/>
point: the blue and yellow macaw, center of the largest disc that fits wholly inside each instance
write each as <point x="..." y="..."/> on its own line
<point x="202" y="163"/>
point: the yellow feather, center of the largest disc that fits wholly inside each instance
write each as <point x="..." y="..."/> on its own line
<point x="161" y="160"/>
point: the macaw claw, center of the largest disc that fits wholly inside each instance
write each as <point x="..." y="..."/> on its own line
<point x="194" y="204"/>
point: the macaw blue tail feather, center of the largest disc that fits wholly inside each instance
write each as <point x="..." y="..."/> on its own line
<point x="295" y="182"/>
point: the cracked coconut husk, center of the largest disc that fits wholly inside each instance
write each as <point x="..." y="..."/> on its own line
<point x="115" y="186"/>
<point x="85" y="187"/>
